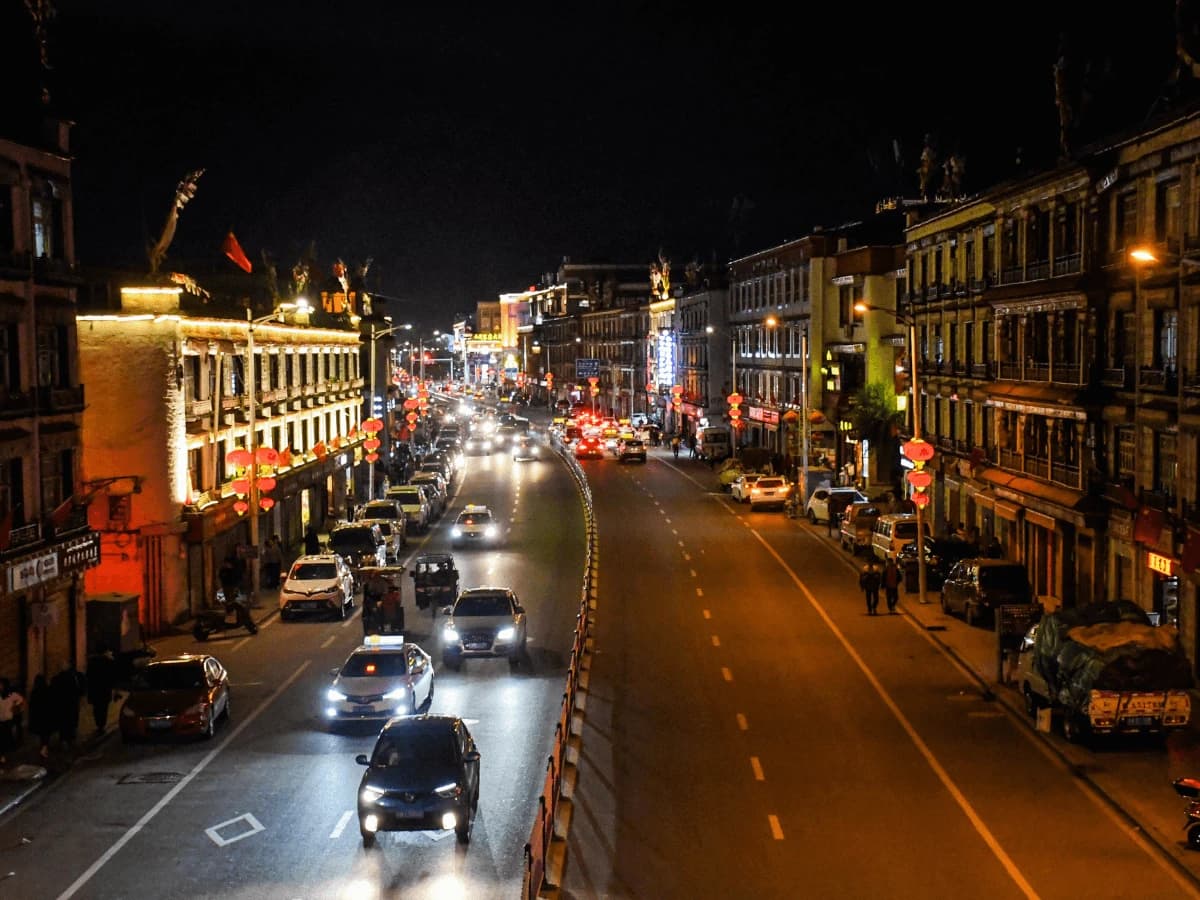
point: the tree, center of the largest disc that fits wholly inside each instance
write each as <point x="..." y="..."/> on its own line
<point x="875" y="418"/>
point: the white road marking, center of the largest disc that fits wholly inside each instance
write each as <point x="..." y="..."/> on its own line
<point x="239" y="644"/>
<point x="757" y="767"/>
<point x="693" y="571"/>
<point x="675" y="532"/>
<point x="918" y="742"/>
<point x="687" y="557"/>
<point x="776" y="828"/>
<point x="214" y="833"/>
<point x="329" y="640"/>
<point x="350" y="619"/>
<point x="699" y="592"/>
<point x="716" y="641"/>
<point x="440" y="835"/>
<point x="668" y="520"/>
<point x="681" y="543"/>
<point x="707" y="614"/>
<point x="341" y="825"/>
<point x="743" y="725"/>
<point x="726" y="674"/>
<point x="179" y="786"/>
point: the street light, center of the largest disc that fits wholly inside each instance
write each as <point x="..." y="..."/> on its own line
<point x="375" y="335"/>
<point x="911" y="324"/>
<point x="301" y="306"/>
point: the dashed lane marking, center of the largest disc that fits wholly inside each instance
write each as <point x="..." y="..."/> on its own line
<point x="726" y="674"/>
<point x="699" y="592"/>
<point x="341" y="825"/>
<point x="757" y="767"/>
<point x="776" y="828"/>
<point x="687" y="557"/>
<point x="329" y="640"/>
<point x="693" y="572"/>
<point x="707" y="614"/>
<point x="743" y="725"/>
<point x="716" y="641"/>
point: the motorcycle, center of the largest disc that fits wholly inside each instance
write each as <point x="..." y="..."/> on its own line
<point x="1190" y="788"/>
<point x="218" y="619"/>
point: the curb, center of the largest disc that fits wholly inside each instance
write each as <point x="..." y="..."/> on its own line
<point x="11" y="803"/>
<point x="85" y="747"/>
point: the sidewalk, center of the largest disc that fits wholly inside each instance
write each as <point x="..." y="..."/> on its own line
<point x="26" y="771"/>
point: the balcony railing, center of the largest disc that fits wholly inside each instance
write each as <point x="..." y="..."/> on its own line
<point x="197" y="408"/>
<point x="1067" y="373"/>
<point x="1048" y="470"/>
<point x="1070" y="264"/>
<point x="60" y="399"/>
<point x="1118" y="378"/>
<point x="1010" y="459"/>
<point x="15" y="403"/>
<point x="1037" y="371"/>
<point x="979" y="370"/>
<point x="1065" y="474"/>
<point x="1039" y="468"/>
<point x="1012" y="275"/>
<point x="1010" y="371"/>
<point x="1159" y="380"/>
<point x="25" y="536"/>
<point x="1037" y="271"/>
<point x="58" y="271"/>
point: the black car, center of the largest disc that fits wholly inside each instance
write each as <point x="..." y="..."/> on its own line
<point x="423" y="775"/>
<point x="977" y="587"/>
<point x="940" y="556"/>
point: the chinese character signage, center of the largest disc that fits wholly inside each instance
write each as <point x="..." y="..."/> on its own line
<point x="664" y="370"/>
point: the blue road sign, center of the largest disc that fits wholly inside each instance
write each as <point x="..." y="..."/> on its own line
<point x="587" y="368"/>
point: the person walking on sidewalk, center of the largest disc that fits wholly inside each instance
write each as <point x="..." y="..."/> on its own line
<point x="68" y="690"/>
<point x="101" y="680"/>
<point x="891" y="585"/>
<point x="675" y="445"/>
<point x="272" y="562"/>
<point x="11" y="705"/>
<point x="868" y="581"/>
<point x="41" y="713"/>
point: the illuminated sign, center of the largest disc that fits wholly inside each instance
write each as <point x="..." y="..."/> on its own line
<point x="1164" y="565"/>
<point x="664" y="370"/>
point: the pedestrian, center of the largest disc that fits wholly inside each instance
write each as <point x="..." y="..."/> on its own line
<point x="230" y="574"/>
<point x="891" y="584"/>
<point x="68" y="689"/>
<point x="868" y="581"/>
<point x="312" y="542"/>
<point x="692" y="445"/>
<point x="11" y="706"/>
<point x="41" y="713"/>
<point x="101" y="680"/>
<point x="675" y="445"/>
<point x="272" y="561"/>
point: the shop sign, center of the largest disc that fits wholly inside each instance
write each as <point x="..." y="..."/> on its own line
<point x="770" y="416"/>
<point x="755" y="413"/>
<point x="1164" y="565"/>
<point x="29" y="572"/>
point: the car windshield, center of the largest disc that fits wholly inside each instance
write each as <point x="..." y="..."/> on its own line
<point x="357" y="540"/>
<point x="314" y="571"/>
<point x="414" y="746"/>
<point x="483" y="605"/>
<point x="379" y="512"/>
<point x="474" y="518"/>
<point x="906" y="531"/>
<point x="431" y="467"/>
<point x="411" y="498"/>
<point x="170" y="677"/>
<point x="770" y="482"/>
<point x="375" y="665"/>
<point x="1009" y="578"/>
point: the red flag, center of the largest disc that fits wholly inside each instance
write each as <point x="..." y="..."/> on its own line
<point x="234" y="251"/>
<point x="1191" y="552"/>
<point x="62" y="512"/>
<point x="6" y="530"/>
<point x="1148" y="525"/>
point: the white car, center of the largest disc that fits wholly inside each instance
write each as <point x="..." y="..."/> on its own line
<point x="740" y="489"/>
<point x="317" y="584"/>
<point x="475" y="525"/>
<point x="818" y="506"/>
<point x="484" y="621"/>
<point x="386" y="676"/>
<point x="413" y="503"/>
<point x="770" y="490"/>
<point x="478" y="444"/>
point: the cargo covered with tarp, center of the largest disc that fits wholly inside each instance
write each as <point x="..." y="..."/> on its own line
<point x="1107" y="647"/>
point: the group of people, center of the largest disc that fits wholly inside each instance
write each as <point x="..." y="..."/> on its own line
<point x="872" y="578"/>
<point x="53" y="705"/>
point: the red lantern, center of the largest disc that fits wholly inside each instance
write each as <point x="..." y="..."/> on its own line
<point x="411" y="418"/>
<point x="735" y="414"/>
<point x="266" y="502"/>
<point x="241" y="507"/>
<point x="241" y="486"/>
<point x="285" y="458"/>
<point x="410" y="403"/>
<point x="918" y="451"/>
<point x="266" y="456"/>
<point x="372" y="425"/>
<point x="266" y="483"/>
<point x="734" y="399"/>
<point x="239" y="457"/>
<point x="919" y="478"/>
<point x="920" y="500"/>
<point x="372" y="457"/>
<point x="371" y="444"/>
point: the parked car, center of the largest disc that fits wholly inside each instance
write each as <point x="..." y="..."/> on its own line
<point x="830" y="501"/>
<point x="412" y="501"/>
<point x="321" y="583"/>
<point x="437" y="488"/>
<point x="858" y="523"/>
<point x="740" y="489"/>
<point x="770" y="490"/>
<point x="976" y="587"/>
<point x="940" y="556"/>
<point x="423" y="775"/>
<point x="176" y="696"/>
<point x="391" y="520"/>
<point x="359" y="543"/>
<point x="893" y="531"/>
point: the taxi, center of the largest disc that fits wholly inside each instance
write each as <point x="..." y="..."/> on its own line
<point x="383" y="677"/>
<point x="476" y="525"/>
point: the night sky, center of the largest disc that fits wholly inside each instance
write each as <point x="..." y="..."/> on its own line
<point x="467" y="151"/>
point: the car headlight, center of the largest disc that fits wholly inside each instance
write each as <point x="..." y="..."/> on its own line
<point x="506" y="634"/>
<point x="448" y="790"/>
<point x="333" y="695"/>
<point x="450" y="633"/>
<point x="369" y="794"/>
<point x="490" y="531"/>
<point x="456" y="532"/>
<point x="396" y="694"/>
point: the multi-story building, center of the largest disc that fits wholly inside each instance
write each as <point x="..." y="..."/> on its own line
<point x="45" y="542"/>
<point x="704" y="354"/>
<point x="173" y="400"/>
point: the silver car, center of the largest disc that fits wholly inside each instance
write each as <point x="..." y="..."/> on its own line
<point x="485" y="622"/>
<point x="384" y="677"/>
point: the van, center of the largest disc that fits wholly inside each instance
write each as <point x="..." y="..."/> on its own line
<point x="892" y="532"/>
<point x="713" y="442"/>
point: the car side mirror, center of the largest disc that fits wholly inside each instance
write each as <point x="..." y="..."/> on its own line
<point x="520" y="610"/>
<point x="362" y="759"/>
<point x="471" y="756"/>
<point x="335" y="671"/>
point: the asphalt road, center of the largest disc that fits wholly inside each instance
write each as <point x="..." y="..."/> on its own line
<point x="266" y="809"/>
<point x="751" y="732"/>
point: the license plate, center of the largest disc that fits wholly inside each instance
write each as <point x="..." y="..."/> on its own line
<point x="410" y="814"/>
<point x="364" y="709"/>
<point x="476" y="645"/>
<point x="1139" y="721"/>
<point x="159" y="723"/>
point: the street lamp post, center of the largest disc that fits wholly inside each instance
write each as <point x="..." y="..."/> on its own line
<point x="911" y="325"/>
<point x="300" y="305"/>
<point x="375" y="335"/>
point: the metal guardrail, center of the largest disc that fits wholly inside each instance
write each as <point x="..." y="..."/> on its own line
<point x="545" y="853"/>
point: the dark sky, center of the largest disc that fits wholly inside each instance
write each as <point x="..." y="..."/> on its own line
<point x="467" y="150"/>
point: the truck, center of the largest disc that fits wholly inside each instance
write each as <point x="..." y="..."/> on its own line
<point x="714" y="442"/>
<point x="1104" y="669"/>
<point x="858" y="521"/>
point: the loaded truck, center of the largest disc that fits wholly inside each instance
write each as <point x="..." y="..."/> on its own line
<point x="1104" y="669"/>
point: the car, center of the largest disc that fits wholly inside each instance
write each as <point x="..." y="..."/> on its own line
<point x="740" y="489"/>
<point x="441" y="467"/>
<point x="631" y="450"/>
<point x="452" y="447"/>
<point x="474" y="525"/>
<point x="770" y="490"/>
<point x="438" y="488"/>
<point x="383" y="677"/>
<point x="422" y="775"/>
<point x="976" y="587"/>
<point x="504" y="436"/>
<point x="359" y="543"/>
<point x="858" y="525"/>
<point x="525" y="447"/>
<point x="940" y="556"/>
<point x="826" y="501"/>
<point x="478" y="445"/>
<point x="589" y="448"/>
<point x="391" y="520"/>
<point x="176" y="696"/>
<point x="412" y="501"/>
<point x="321" y="583"/>
<point x="484" y="622"/>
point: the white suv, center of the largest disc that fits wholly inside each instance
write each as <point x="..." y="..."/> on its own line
<point x="823" y="499"/>
<point x="321" y="583"/>
<point x="485" y="621"/>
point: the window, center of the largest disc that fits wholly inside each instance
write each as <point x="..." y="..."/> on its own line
<point x="846" y="304"/>
<point x="52" y="481"/>
<point x="989" y="256"/>
<point x="1167" y="213"/>
<point x="7" y="231"/>
<point x="969" y="275"/>
<point x="1125" y="453"/>
<point x="10" y="357"/>
<point x="1126" y="233"/>
<point x="1166" y="466"/>
<point x="46" y="214"/>
<point x="1167" y="350"/>
<point x="52" y="358"/>
<point x="1009" y="248"/>
<point x="196" y="470"/>
<point x="1067" y="239"/>
<point x="12" y="491"/>
<point x="969" y="346"/>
